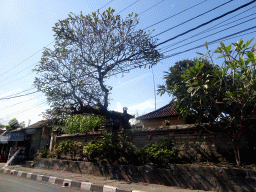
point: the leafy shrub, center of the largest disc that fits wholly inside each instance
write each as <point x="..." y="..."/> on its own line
<point x="166" y="123"/>
<point x="82" y="124"/>
<point x="42" y="153"/>
<point x="159" y="154"/>
<point x="111" y="148"/>
<point x="71" y="148"/>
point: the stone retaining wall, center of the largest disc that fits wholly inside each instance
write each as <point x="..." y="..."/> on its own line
<point x="185" y="176"/>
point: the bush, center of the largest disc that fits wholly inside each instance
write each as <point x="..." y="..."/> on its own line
<point x="166" y="123"/>
<point x="82" y="124"/>
<point x="112" y="148"/>
<point x="160" y="154"/>
<point x="42" y="153"/>
<point x="71" y="148"/>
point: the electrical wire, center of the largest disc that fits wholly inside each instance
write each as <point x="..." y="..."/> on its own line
<point x="211" y="28"/>
<point x="199" y="26"/>
<point x="17" y="79"/>
<point x="20" y="92"/>
<point x="212" y="42"/>
<point x="175" y="15"/>
<point x="18" y="96"/>
<point x="128" y="6"/>
<point x="151" y="7"/>
<point x="213" y="34"/>
<point x="22" y="111"/>
<point x="25" y="59"/>
<point x="217" y="40"/>
<point x="106" y="4"/>
<point x="194" y="18"/>
<point x="20" y="71"/>
<point x="22" y="102"/>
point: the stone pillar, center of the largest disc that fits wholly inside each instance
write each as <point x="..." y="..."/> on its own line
<point x="53" y="140"/>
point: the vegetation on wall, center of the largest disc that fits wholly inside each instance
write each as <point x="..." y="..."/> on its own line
<point x="82" y="124"/>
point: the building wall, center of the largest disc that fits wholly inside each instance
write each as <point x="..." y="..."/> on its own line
<point x="159" y="122"/>
<point x="36" y="140"/>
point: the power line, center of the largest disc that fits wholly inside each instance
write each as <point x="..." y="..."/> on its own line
<point x="211" y="28"/>
<point x="106" y="4"/>
<point x="128" y="6"/>
<point x="175" y="15"/>
<point x="20" y="71"/>
<point x="26" y="59"/>
<point x="211" y="42"/>
<point x="194" y="18"/>
<point x="151" y="7"/>
<point x="47" y="46"/>
<point x="22" y="111"/>
<point x="18" y="96"/>
<point x="213" y="34"/>
<point x="199" y="26"/>
<point x="17" y="79"/>
<point x="20" y="92"/>
<point x="22" y="102"/>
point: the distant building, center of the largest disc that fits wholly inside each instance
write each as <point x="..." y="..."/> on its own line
<point x="156" y="118"/>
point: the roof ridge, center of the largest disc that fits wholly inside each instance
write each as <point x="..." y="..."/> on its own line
<point x="166" y="110"/>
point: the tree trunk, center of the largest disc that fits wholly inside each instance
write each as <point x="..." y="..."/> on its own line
<point x="237" y="153"/>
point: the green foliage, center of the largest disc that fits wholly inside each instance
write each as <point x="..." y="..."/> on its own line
<point x="111" y="148"/>
<point x="43" y="153"/>
<point x="160" y="154"/>
<point x="69" y="148"/>
<point x="82" y="124"/>
<point x="14" y="124"/>
<point x="187" y="100"/>
<point x="166" y="123"/>
<point x="228" y="91"/>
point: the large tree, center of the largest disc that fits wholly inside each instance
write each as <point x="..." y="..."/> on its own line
<point x="229" y="90"/>
<point x="88" y="50"/>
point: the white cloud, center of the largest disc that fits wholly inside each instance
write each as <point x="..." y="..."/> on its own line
<point x="119" y="107"/>
<point x="150" y="104"/>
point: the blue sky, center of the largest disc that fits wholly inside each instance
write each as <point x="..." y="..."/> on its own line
<point x="26" y="27"/>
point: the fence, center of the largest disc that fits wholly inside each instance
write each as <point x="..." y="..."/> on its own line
<point x="194" y="142"/>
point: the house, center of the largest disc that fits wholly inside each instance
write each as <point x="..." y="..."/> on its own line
<point x="156" y="118"/>
<point x="32" y="138"/>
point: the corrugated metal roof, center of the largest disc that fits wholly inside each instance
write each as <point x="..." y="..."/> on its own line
<point x="165" y="111"/>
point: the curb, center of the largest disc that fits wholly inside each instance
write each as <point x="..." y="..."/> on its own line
<point x="64" y="182"/>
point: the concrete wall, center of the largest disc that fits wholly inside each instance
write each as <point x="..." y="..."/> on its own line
<point x="194" y="143"/>
<point x="185" y="176"/>
<point x="159" y="122"/>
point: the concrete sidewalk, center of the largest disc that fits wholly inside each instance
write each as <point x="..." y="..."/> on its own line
<point x="79" y="179"/>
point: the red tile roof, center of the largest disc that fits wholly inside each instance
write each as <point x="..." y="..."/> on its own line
<point x="38" y="124"/>
<point x="165" y="111"/>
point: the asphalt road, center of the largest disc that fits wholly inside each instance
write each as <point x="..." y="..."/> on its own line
<point x="9" y="183"/>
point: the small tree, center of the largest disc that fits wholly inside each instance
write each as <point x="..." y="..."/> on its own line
<point x="230" y="90"/>
<point x="189" y="105"/>
<point x="14" y="124"/>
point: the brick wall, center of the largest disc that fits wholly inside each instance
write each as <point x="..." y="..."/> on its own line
<point x="194" y="143"/>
